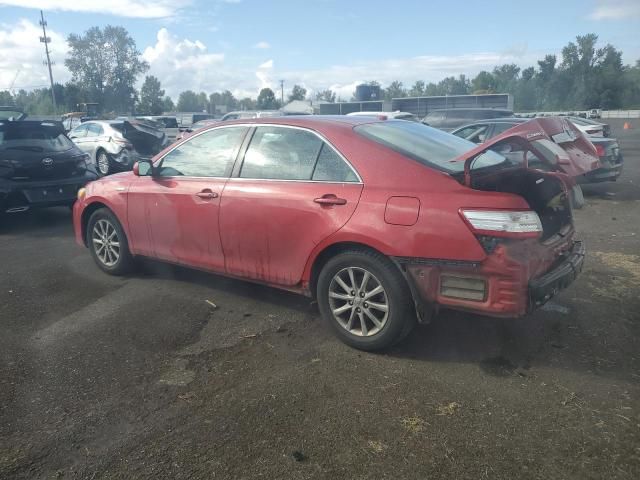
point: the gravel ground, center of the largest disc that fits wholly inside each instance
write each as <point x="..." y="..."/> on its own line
<point x="140" y="377"/>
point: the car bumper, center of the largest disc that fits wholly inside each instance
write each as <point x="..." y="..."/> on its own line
<point x="605" y="174"/>
<point x="20" y="196"/>
<point x="511" y="282"/>
<point x="545" y="287"/>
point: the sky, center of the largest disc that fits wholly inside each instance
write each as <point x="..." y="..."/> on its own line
<point x="246" y="45"/>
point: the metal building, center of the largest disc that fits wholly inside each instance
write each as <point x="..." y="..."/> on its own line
<point x="342" y="108"/>
<point x="420" y="106"/>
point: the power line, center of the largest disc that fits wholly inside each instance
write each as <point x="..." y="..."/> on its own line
<point x="46" y="40"/>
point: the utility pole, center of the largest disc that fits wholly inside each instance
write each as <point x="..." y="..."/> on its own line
<point x="282" y="92"/>
<point x="46" y="40"/>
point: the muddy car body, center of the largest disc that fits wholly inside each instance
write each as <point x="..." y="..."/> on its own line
<point x="115" y="145"/>
<point x="380" y="220"/>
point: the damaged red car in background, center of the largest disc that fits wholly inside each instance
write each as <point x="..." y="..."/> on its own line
<point x="383" y="221"/>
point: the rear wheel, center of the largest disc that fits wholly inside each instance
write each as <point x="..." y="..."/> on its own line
<point x="366" y="300"/>
<point x="108" y="243"/>
<point x="102" y="162"/>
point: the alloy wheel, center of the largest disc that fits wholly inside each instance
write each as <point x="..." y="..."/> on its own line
<point x="103" y="163"/>
<point x="358" y="301"/>
<point x="106" y="243"/>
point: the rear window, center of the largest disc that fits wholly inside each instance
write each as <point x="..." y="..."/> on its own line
<point x="34" y="137"/>
<point x="168" y="122"/>
<point x="429" y="146"/>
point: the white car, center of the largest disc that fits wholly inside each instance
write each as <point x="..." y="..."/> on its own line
<point x="397" y="115"/>
<point x="590" y="127"/>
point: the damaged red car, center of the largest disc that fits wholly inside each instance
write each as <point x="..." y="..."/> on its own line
<point x="384" y="222"/>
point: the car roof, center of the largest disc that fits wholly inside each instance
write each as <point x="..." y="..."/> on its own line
<point x="470" y="110"/>
<point x="309" y="121"/>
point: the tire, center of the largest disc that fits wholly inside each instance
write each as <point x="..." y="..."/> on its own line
<point x="577" y="197"/>
<point x="351" y="267"/>
<point x="102" y="163"/>
<point x="114" y="258"/>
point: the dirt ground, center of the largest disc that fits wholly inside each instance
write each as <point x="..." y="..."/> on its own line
<point x="140" y="377"/>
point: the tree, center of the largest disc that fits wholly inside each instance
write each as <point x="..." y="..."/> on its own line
<point x="267" y="100"/>
<point x="484" y="82"/>
<point x="418" y="89"/>
<point x="394" y="90"/>
<point x="248" y="104"/>
<point x="326" y="95"/>
<point x="167" y="104"/>
<point x="151" y="101"/>
<point x="297" y="93"/>
<point x="188" y="101"/>
<point x="106" y="63"/>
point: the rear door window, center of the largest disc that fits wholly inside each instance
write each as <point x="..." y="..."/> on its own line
<point x="332" y="168"/>
<point x="94" y="130"/>
<point x="282" y="153"/>
<point x="474" y="133"/>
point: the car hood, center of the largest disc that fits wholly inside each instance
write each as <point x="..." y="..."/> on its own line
<point x="581" y="155"/>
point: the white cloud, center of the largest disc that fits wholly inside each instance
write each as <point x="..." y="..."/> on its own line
<point x="183" y="64"/>
<point x="616" y="10"/>
<point x="121" y="8"/>
<point x="262" y="45"/>
<point x="22" y="54"/>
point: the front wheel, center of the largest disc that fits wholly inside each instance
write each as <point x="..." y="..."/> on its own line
<point x="366" y="300"/>
<point x="107" y="243"/>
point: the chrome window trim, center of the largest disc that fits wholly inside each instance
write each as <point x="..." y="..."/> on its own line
<point x="255" y="125"/>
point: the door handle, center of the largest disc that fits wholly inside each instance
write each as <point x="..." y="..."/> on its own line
<point x="207" y="194"/>
<point x="330" y="199"/>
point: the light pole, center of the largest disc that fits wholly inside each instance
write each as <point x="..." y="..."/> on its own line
<point x="44" y="39"/>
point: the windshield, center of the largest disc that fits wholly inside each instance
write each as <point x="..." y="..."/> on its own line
<point x="34" y="137"/>
<point x="429" y="146"/>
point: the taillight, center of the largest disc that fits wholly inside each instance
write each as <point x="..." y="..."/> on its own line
<point x="600" y="150"/>
<point x="122" y="142"/>
<point x="503" y="223"/>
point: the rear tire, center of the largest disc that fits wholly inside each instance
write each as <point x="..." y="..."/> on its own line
<point x="102" y="163"/>
<point x="365" y="298"/>
<point x="108" y="243"/>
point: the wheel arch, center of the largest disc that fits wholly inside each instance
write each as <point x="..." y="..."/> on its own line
<point x="329" y="252"/>
<point x="86" y="215"/>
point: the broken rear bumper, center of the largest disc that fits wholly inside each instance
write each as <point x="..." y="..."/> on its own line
<point x="545" y="287"/>
<point x="511" y="282"/>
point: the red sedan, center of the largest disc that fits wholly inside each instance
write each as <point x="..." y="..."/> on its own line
<point x="383" y="221"/>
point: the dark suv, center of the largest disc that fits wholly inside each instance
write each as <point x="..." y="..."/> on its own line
<point x="39" y="166"/>
<point x="451" y="118"/>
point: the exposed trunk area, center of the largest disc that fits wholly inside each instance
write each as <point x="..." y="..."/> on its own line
<point x="146" y="140"/>
<point x="544" y="192"/>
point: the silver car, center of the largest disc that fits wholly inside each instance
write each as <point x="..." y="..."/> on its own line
<point x="115" y="145"/>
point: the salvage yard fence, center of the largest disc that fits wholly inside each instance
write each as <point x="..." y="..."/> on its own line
<point x="621" y="114"/>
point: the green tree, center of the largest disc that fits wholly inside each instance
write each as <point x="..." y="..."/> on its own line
<point x="297" y="93"/>
<point x="247" y="104"/>
<point x="167" y="104"/>
<point x="394" y="90"/>
<point x="151" y="97"/>
<point x="326" y="95"/>
<point x="188" y="101"/>
<point x="484" y="82"/>
<point x="418" y="89"/>
<point x="106" y="63"/>
<point x="266" y="100"/>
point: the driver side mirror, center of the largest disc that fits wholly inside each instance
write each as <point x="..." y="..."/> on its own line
<point x="143" y="168"/>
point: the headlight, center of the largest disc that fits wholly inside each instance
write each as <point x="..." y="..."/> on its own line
<point x="82" y="193"/>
